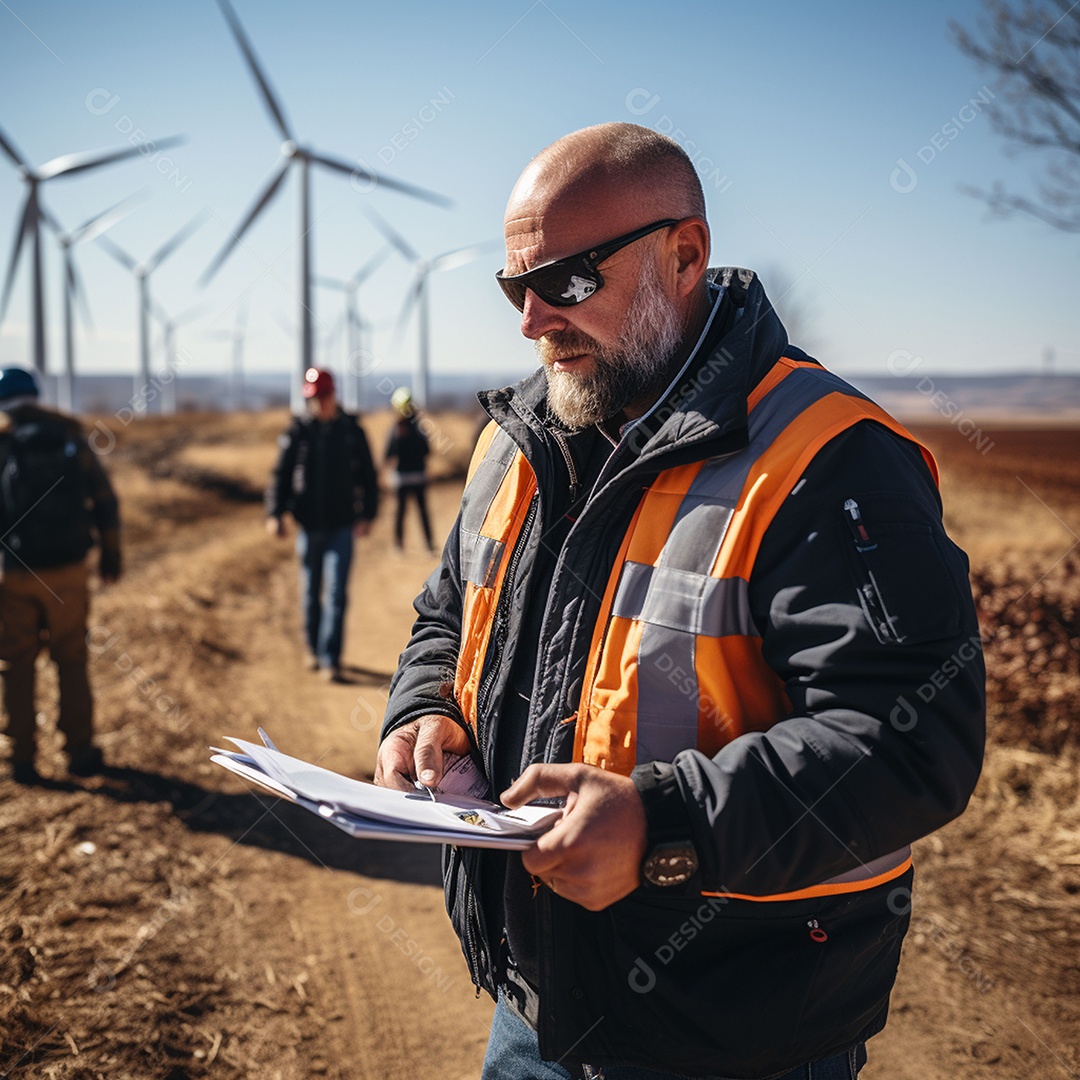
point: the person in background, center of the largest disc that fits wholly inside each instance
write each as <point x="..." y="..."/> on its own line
<point x="408" y="447"/>
<point x="56" y="503"/>
<point x="325" y="479"/>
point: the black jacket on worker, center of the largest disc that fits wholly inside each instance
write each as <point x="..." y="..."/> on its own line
<point x="56" y="501"/>
<point x="324" y="475"/>
<point x="408" y="447"/>
<point x="671" y="978"/>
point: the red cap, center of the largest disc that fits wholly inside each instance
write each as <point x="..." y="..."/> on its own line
<point x="317" y="383"/>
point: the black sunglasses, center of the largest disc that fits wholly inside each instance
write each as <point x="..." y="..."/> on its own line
<point x="569" y="281"/>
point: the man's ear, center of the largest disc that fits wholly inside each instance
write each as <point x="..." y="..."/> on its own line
<point x="690" y="247"/>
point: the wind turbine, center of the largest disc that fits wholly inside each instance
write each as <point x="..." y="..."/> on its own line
<point x="73" y="287"/>
<point x="33" y="214"/>
<point x="169" y="325"/>
<point x="353" y="323"/>
<point x="303" y="156"/>
<point x="142" y="272"/>
<point x="236" y="374"/>
<point x="417" y="295"/>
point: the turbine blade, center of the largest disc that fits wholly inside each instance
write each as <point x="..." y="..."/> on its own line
<point x="128" y="262"/>
<point x="26" y="226"/>
<point x="69" y="164"/>
<point x="370" y="266"/>
<point x="270" y="100"/>
<point x="104" y="221"/>
<point x="451" y="260"/>
<point x="351" y="168"/>
<point x="78" y="292"/>
<point x="391" y="234"/>
<point x="411" y="298"/>
<point x="12" y="152"/>
<point x="160" y="313"/>
<point x="268" y="193"/>
<point x="329" y="283"/>
<point x="176" y="240"/>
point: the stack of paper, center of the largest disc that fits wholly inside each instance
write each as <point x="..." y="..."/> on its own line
<point x="379" y="813"/>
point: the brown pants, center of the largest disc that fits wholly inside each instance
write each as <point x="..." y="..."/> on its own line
<point x="38" y="608"/>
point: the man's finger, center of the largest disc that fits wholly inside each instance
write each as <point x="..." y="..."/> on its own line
<point x="433" y="737"/>
<point x="549" y="854"/>
<point x="394" y="765"/>
<point x="394" y="777"/>
<point x="541" y="782"/>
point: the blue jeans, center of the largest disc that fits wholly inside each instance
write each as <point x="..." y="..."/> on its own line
<point x="325" y="557"/>
<point x="513" y="1054"/>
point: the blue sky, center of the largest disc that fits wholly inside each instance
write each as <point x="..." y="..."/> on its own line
<point x="796" y="113"/>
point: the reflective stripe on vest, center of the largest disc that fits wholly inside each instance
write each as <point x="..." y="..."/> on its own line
<point x="500" y="484"/>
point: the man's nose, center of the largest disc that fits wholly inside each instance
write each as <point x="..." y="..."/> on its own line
<point x="538" y="318"/>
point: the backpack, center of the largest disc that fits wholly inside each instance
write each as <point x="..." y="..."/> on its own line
<point x="43" y="497"/>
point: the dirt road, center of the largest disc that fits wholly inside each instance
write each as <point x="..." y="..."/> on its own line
<point x="165" y="921"/>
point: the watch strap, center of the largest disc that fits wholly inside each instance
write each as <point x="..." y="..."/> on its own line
<point x="666" y="818"/>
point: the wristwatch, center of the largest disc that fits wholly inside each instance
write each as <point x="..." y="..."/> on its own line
<point x="672" y="862"/>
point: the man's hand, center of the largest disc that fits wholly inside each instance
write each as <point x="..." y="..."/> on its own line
<point x="415" y="752"/>
<point x="275" y="526"/>
<point x="593" y="855"/>
<point x="361" y="529"/>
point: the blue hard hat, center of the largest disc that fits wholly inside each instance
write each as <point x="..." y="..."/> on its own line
<point x="17" y="382"/>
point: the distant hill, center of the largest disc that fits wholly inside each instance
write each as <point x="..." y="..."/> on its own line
<point x="916" y="396"/>
<point x="927" y="397"/>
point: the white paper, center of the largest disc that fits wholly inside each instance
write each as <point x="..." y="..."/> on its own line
<point x="365" y="810"/>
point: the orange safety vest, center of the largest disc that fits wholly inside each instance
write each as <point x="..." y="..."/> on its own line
<point x="676" y="661"/>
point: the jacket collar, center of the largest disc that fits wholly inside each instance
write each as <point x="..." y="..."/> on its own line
<point x="742" y="339"/>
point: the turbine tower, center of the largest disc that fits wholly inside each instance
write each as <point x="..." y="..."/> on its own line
<point x="142" y="272"/>
<point x="354" y="324"/>
<point x="417" y="296"/>
<point x="169" y="326"/>
<point x="73" y="287"/>
<point x="236" y="372"/>
<point x="303" y="157"/>
<point x="33" y="214"/>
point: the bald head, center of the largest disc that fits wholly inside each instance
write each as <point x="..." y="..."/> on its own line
<point x="600" y="182"/>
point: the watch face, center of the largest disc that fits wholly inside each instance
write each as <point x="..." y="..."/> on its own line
<point x="670" y="864"/>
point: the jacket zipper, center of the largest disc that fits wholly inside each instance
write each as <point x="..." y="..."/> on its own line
<point x="460" y="887"/>
<point x="564" y="447"/>
<point x="871" y="598"/>
<point x="498" y="633"/>
<point x="853" y="517"/>
<point x="474" y="941"/>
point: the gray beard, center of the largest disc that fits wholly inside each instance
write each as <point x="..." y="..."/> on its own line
<point x="635" y="369"/>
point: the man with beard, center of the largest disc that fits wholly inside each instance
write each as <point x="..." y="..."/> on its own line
<point x="694" y="586"/>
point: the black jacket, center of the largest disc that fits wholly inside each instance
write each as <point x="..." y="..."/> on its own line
<point x="669" y="978"/>
<point x="407" y="445"/>
<point x="324" y="474"/>
<point x="78" y="511"/>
